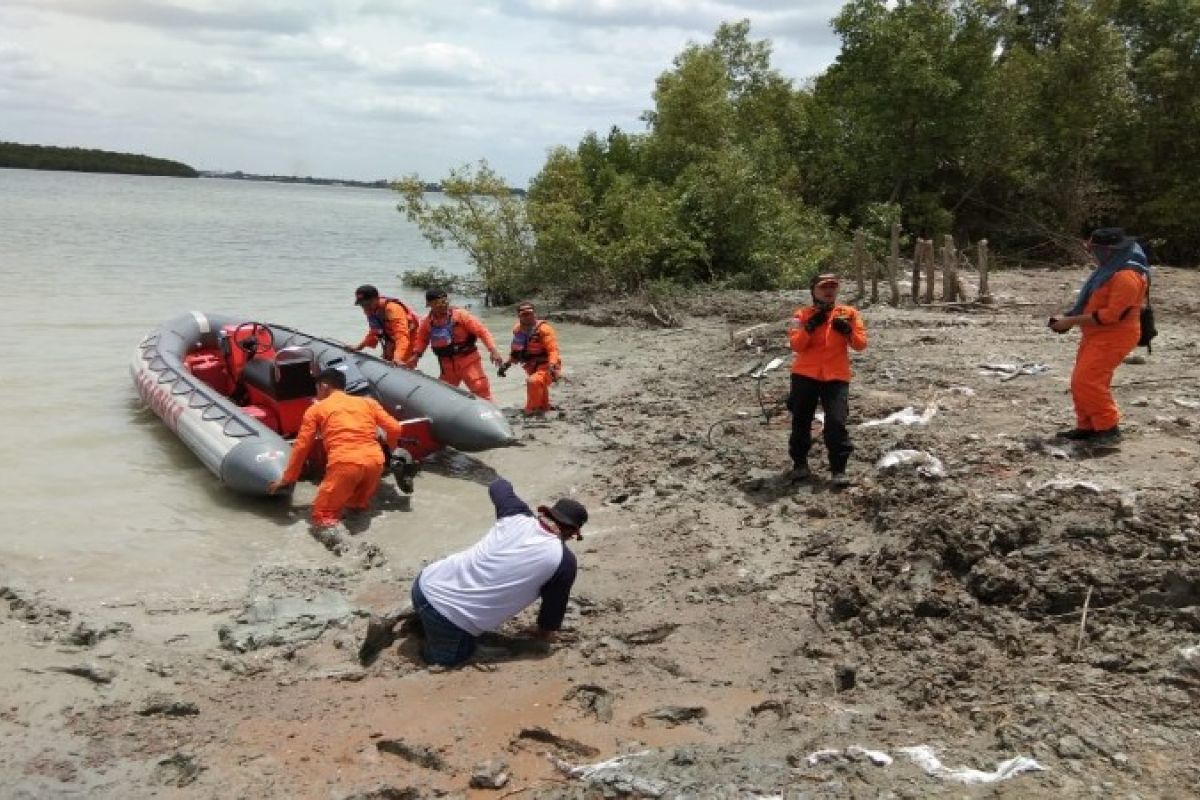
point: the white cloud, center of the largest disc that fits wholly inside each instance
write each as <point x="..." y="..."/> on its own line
<point x="390" y="108"/>
<point x="222" y="77"/>
<point x="271" y="17"/>
<point x="361" y="88"/>
<point x="21" y="64"/>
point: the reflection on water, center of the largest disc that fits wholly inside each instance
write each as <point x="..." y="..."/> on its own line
<point x="102" y="504"/>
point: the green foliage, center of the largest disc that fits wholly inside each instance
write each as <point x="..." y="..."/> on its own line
<point x="76" y="159"/>
<point x="479" y="214"/>
<point x="1022" y="121"/>
<point x="432" y="277"/>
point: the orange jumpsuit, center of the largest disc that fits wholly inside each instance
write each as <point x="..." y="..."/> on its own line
<point x="822" y="355"/>
<point x="821" y="374"/>
<point x="395" y="325"/>
<point x="1115" y="309"/>
<point x="353" y="459"/>
<point x="453" y="340"/>
<point x="536" y="351"/>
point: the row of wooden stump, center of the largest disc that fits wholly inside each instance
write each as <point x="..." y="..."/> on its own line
<point x="924" y="263"/>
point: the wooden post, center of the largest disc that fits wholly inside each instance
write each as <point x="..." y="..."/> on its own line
<point x="949" y="269"/>
<point x="894" y="265"/>
<point x="930" y="271"/>
<point x="985" y="295"/>
<point x="960" y="288"/>
<point x="918" y="254"/>
<point x="860" y="259"/>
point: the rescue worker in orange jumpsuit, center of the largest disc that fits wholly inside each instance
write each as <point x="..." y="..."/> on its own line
<point x="1108" y="313"/>
<point x="389" y="321"/>
<point x="821" y="336"/>
<point x="452" y="333"/>
<point x="353" y="459"/>
<point x="535" y="348"/>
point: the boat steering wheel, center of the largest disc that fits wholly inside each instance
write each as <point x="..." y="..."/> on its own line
<point x="257" y="341"/>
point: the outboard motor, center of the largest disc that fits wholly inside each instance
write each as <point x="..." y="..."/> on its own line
<point x="403" y="468"/>
<point x="356" y="383"/>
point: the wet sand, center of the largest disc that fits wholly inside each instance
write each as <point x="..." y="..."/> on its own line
<point x="726" y="625"/>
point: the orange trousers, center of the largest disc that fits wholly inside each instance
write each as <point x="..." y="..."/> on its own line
<point x="537" y="389"/>
<point x="466" y="369"/>
<point x="1091" y="380"/>
<point x="344" y="486"/>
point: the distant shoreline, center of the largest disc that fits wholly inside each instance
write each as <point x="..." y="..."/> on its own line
<point x="382" y="183"/>
<point x="78" y="159"/>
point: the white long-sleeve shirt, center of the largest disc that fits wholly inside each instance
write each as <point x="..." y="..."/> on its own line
<point x="518" y="560"/>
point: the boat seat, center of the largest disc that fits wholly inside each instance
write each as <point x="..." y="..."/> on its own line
<point x="285" y="377"/>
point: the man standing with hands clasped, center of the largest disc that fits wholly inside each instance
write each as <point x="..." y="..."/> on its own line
<point x="1108" y="314"/>
<point x="821" y="336"/>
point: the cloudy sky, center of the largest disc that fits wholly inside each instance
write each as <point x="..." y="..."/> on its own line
<point x="360" y="89"/>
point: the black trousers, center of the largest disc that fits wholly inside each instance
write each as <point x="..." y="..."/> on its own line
<point x="834" y="397"/>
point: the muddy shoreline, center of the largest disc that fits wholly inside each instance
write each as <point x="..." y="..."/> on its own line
<point x="731" y="634"/>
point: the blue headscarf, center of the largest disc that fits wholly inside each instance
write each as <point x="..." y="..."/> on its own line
<point x="1131" y="256"/>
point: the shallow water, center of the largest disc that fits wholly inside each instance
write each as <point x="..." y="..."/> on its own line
<point x="103" y="507"/>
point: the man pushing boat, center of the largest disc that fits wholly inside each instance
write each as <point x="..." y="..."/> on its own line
<point x="354" y="461"/>
<point x="451" y="333"/>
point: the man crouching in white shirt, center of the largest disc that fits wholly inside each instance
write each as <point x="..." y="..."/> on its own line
<point x="523" y="557"/>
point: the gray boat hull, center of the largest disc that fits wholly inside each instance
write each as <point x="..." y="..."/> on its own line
<point x="247" y="455"/>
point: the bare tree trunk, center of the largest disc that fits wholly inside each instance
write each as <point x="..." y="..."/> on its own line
<point x="894" y="265"/>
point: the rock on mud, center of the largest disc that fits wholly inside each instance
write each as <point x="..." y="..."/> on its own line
<point x="166" y="706"/>
<point x="489" y="775"/>
<point x="417" y="754"/>
<point x="179" y="769"/>
<point x="284" y="621"/>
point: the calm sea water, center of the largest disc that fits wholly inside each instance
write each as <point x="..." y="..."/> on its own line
<point x="100" y="504"/>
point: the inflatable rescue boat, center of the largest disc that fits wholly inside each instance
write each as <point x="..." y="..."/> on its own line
<point x="234" y="392"/>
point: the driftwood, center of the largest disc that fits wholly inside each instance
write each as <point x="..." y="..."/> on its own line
<point x="1087" y="601"/>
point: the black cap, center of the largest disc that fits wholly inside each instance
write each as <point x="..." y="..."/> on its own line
<point x="365" y="293"/>
<point x="333" y="377"/>
<point x="1110" y="237"/>
<point x="434" y="294"/>
<point x="568" y="512"/>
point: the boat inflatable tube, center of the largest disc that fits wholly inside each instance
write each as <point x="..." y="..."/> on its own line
<point x="247" y="455"/>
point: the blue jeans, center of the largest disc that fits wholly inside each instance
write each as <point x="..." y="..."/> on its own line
<point x="445" y="643"/>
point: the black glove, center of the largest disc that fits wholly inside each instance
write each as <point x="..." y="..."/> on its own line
<point x="503" y="370"/>
<point x="1050" y="325"/>
<point x="817" y="320"/>
<point x="842" y="325"/>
